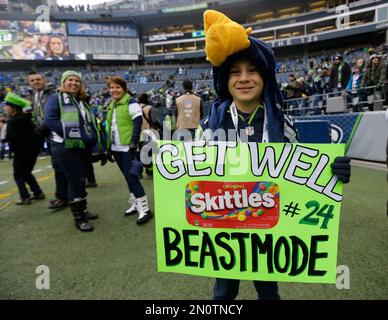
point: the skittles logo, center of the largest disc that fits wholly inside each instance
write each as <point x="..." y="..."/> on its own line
<point x="239" y="205"/>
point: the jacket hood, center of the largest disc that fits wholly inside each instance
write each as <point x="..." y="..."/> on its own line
<point x="263" y="58"/>
<point x="23" y="117"/>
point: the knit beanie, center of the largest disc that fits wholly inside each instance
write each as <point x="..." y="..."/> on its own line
<point x="69" y="73"/>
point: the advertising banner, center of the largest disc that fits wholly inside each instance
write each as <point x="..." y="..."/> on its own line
<point x="248" y="211"/>
<point x="102" y="30"/>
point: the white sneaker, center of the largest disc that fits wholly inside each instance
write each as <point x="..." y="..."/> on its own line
<point x="142" y="208"/>
<point x="132" y="206"/>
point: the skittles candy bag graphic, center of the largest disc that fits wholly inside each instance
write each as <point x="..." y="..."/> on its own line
<point x="239" y="205"/>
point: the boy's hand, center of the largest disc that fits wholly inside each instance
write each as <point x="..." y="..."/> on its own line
<point x="341" y="168"/>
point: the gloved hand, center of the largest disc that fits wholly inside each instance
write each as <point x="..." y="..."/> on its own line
<point x="42" y="130"/>
<point x="109" y="156"/>
<point x="133" y="147"/>
<point x="341" y="168"/>
<point x="104" y="159"/>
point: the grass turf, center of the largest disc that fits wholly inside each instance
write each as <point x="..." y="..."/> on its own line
<point x="118" y="259"/>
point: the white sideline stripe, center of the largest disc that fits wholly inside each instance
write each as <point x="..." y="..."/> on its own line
<point x="370" y="165"/>
<point x="49" y="167"/>
<point x="3" y="182"/>
<point x="38" y="170"/>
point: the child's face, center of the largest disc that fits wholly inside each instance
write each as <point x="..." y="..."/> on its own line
<point x="9" y="111"/>
<point x="245" y="83"/>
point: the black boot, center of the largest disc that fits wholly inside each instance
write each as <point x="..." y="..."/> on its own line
<point x="89" y="215"/>
<point x="57" y="204"/>
<point x="81" y="222"/>
<point x="92" y="184"/>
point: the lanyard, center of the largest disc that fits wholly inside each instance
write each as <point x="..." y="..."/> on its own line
<point x="234" y="113"/>
<point x="251" y="117"/>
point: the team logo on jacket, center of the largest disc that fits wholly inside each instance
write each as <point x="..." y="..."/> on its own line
<point x="240" y="205"/>
<point x="74" y="133"/>
<point x="66" y="98"/>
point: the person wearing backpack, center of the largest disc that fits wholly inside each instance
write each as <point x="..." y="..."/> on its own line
<point x="189" y="109"/>
<point x="148" y="129"/>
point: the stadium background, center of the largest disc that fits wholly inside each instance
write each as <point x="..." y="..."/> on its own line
<point x="154" y="45"/>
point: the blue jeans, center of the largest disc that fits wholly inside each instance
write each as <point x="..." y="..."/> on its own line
<point x="123" y="160"/>
<point x="349" y="101"/>
<point x="61" y="187"/>
<point x="317" y="103"/>
<point x="302" y="106"/>
<point x="22" y="168"/>
<point x="90" y="176"/>
<point x="227" y="289"/>
<point x="178" y="135"/>
<point x="293" y="107"/>
<point x="72" y="163"/>
<point x="3" y="151"/>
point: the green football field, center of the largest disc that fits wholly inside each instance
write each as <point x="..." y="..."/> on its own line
<point x="118" y="259"/>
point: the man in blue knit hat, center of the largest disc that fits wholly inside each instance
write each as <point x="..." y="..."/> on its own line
<point x="248" y="108"/>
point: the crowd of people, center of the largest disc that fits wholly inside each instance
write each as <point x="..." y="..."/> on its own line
<point x="362" y="83"/>
<point x="133" y="5"/>
<point x="42" y="47"/>
<point x="247" y="102"/>
<point x="34" y="41"/>
<point x="68" y="121"/>
<point x="358" y="75"/>
<point x="77" y="130"/>
<point x="76" y="8"/>
<point x="62" y="119"/>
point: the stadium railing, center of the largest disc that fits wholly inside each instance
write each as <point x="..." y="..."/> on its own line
<point x="367" y="98"/>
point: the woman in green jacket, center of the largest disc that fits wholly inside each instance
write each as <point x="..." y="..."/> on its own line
<point x="123" y="127"/>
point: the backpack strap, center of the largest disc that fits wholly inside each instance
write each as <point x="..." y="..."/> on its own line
<point x="144" y="115"/>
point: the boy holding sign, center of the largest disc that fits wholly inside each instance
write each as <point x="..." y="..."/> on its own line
<point x="249" y="105"/>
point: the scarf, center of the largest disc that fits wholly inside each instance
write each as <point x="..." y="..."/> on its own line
<point x="71" y="123"/>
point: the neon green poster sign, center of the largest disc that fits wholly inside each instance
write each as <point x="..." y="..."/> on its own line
<point x="248" y="211"/>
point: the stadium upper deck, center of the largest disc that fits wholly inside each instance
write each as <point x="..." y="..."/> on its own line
<point x="170" y="31"/>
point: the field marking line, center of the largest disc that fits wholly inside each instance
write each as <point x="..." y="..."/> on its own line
<point x="4" y="195"/>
